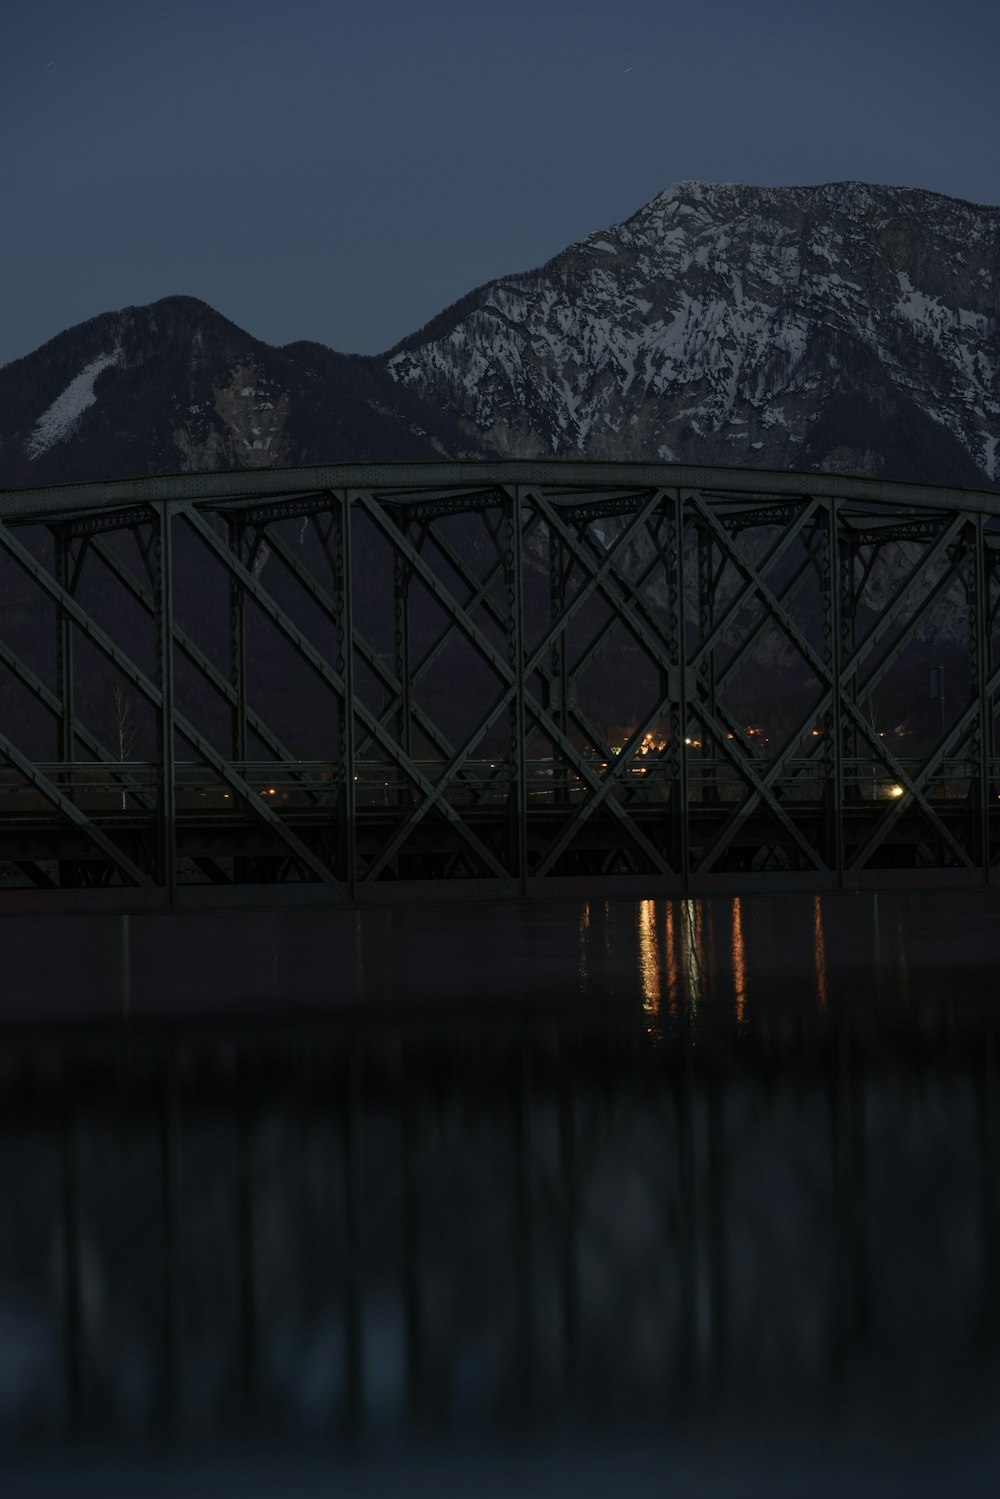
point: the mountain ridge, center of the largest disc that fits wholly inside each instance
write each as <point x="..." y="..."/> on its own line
<point x="848" y="327"/>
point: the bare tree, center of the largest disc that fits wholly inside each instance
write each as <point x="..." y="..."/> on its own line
<point x="122" y="726"/>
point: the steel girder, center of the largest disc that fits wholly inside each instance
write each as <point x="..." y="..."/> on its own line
<point x="511" y="677"/>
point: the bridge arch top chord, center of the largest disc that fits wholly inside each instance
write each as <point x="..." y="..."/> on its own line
<point x="405" y="482"/>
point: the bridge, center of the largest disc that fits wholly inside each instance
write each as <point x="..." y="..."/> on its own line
<point x="385" y="681"/>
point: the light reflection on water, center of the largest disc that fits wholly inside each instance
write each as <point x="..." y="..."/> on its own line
<point x="649" y="956"/>
<point x="739" y="962"/>
<point x="675" y="1166"/>
<point x="691" y="955"/>
<point x="821" y="994"/>
<point x="688" y="950"/>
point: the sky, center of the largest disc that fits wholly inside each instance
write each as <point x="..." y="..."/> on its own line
<point x="340" y="172"/>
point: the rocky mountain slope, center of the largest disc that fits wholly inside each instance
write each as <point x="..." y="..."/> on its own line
<point x="847" y="328"/>
<point x="844" y="327"/>
<point x="175" y="387"/>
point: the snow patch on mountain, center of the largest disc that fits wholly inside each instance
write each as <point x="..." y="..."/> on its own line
<point x="59" y="420"/>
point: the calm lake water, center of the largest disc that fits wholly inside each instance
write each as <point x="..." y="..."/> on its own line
<point x="634" y="1194"/>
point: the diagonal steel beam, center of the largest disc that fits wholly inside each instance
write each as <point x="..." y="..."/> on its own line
<point x="569" y="611"/>
<point x="823" y="675"/>
<point x="460" y="567"/>
<point x="152" y="693"/>
<point x="948" y="744"/>
<point x="581" y="720"/>
<point x="763" y="567"/>
<point x="605" y="576"/>
<point x="327" y="603"/>
<point x="326" y="672"/>
<point x="72" y="813"/>
<point x="626" y="604"/>
<point x="821" y="671"/>
<point x="193" y="653"/>
<point x="793" y="742"/>
<point x="49" y="700"/>
<point x="479" y="594"/>
<point x="761" y="791"/>
<point x="444" y="596"/>
<point x="586" y="810"/>
<point x="622" y="597"/>
<point x="887" y="619"/>
<point x="559" y="624"/>
<point x="732" y="609"/>
<point x="786" y="595"/>
<point x="765" y="592"/>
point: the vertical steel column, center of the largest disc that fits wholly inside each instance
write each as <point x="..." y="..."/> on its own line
<point x="64" y="652"/>
<point x="238" y="647"/>
<point x="708" y="777"/>
<point x="345" y="669"/>
<point x="836" y="718"/>
<point x="401" y="573"/>
<point x="680" y="636"/>
<point x="558" y="685"/>
<point x="514" y="580"/>
<point x="984" y="719"/>
<point x="847" y="608"/>
<point x="706" y="608"/>
<point x="164" y="622"/>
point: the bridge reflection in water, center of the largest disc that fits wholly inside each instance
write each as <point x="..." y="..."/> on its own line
<point x="737" y="1172"/>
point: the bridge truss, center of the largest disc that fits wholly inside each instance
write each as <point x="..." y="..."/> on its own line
<point x="374" y="681"/>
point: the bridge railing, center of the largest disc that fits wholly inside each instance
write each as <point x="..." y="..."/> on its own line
<point x="132" y="785"/>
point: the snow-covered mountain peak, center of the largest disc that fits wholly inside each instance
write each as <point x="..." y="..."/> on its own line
<point x="726" y="323"/>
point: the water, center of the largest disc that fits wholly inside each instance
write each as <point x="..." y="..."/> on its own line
<point x="696" y="1192"/>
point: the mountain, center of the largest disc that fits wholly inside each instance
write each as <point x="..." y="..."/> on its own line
<point x="176" y="387"/>
<point x="846" y="328"/>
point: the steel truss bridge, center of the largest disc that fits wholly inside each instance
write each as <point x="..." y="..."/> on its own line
<point x="362" y="682"/>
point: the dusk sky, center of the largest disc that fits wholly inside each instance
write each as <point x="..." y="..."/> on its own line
<point x="343" y="172"/>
